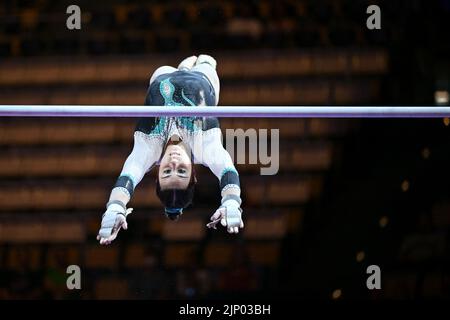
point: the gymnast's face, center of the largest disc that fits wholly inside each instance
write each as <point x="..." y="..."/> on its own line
<point x="175" y="168"/>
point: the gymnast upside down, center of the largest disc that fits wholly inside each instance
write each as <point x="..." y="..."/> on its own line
<point x="175" y="144"/>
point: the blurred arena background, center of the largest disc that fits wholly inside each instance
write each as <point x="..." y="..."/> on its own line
<point x="349" y="193"/>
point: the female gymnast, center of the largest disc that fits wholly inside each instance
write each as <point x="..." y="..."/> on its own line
<point x="176" y="144"/>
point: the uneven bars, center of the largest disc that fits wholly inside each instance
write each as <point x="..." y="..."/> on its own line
<point x="225" y="111"/>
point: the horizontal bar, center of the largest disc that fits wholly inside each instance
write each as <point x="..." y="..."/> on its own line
<point x="228" y="111"/>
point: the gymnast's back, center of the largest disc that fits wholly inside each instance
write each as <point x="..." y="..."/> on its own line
<point x="181" y="88"/>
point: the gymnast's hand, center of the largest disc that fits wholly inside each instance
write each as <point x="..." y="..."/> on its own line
<point x="114" y="219"/>
<point x="230" y="216"/>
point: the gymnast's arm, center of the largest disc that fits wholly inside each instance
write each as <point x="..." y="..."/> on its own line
<point x="217" y="158"/>
<point x="146" y="151"/>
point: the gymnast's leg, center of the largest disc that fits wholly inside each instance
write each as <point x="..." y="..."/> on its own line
<point x="207" y="65"/>
<point x="160" y="71"/>
<point x="186" y="64"/>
